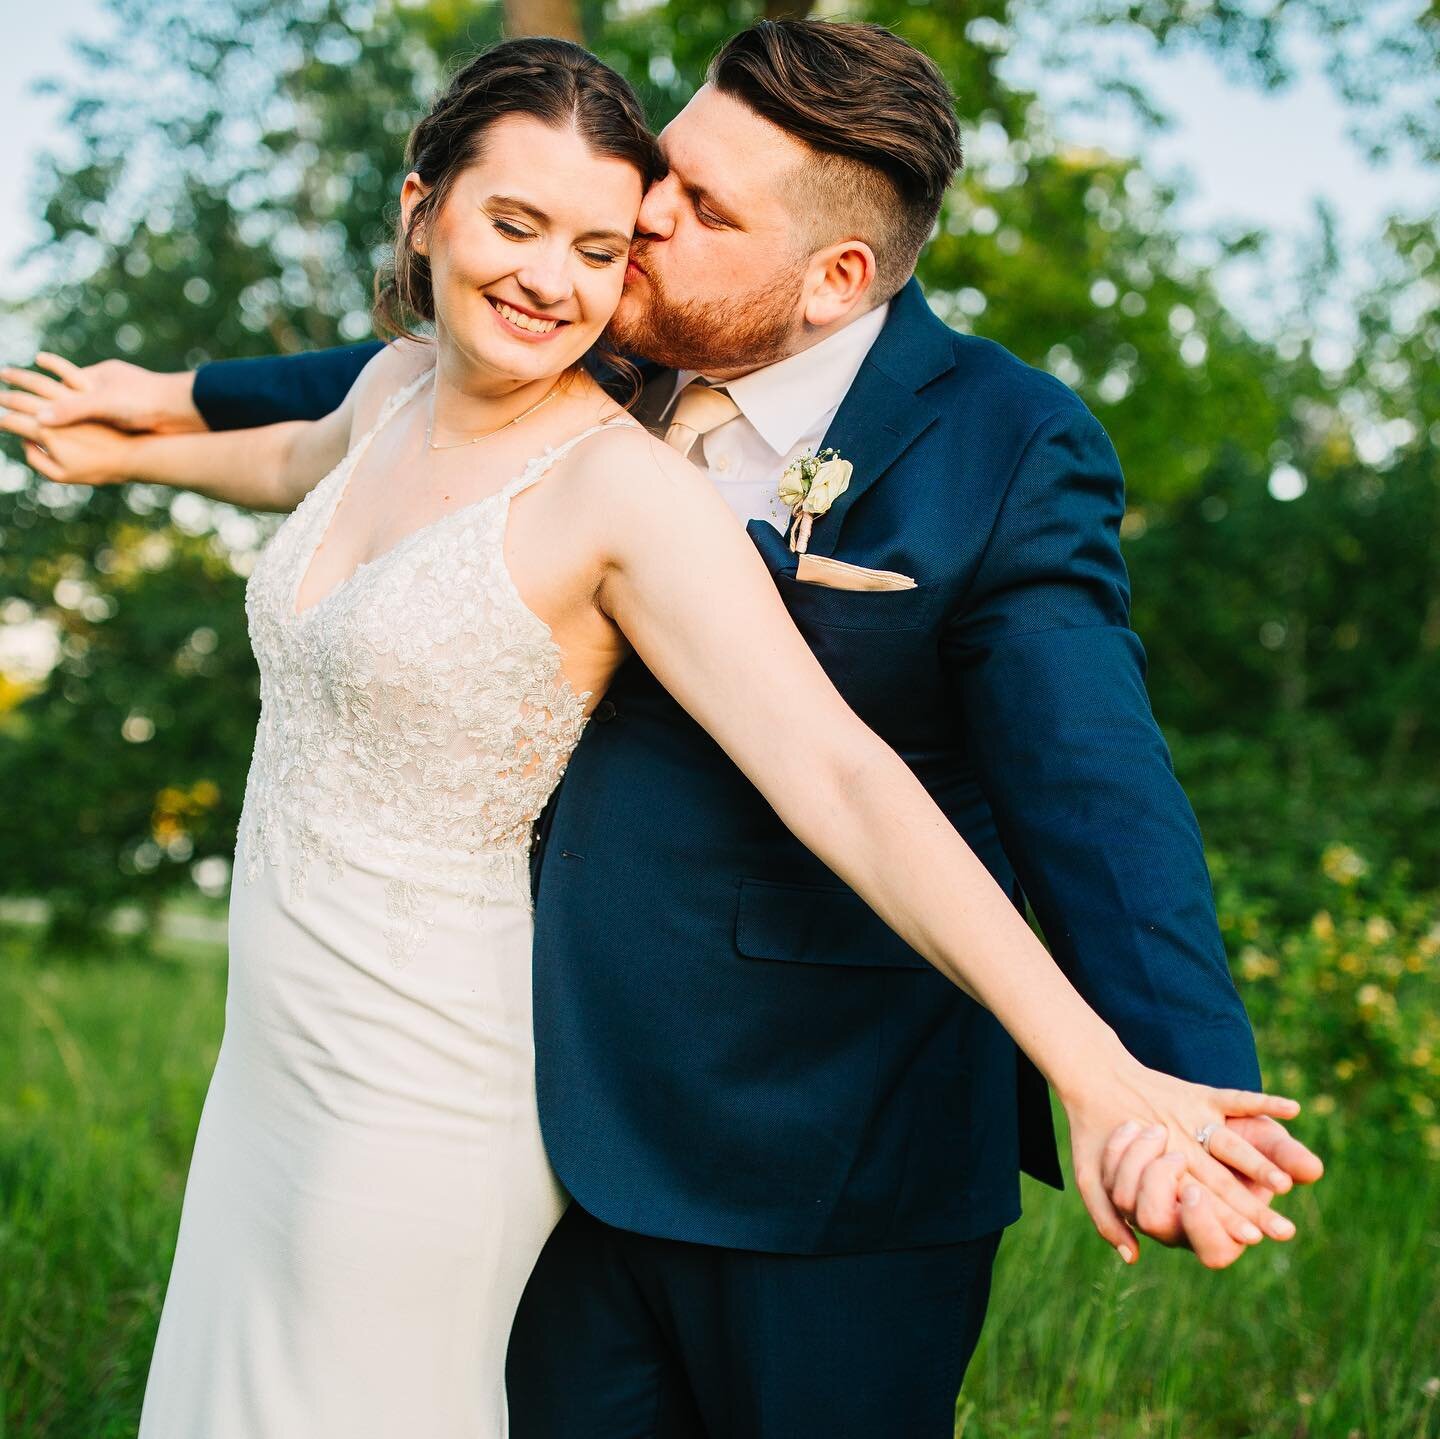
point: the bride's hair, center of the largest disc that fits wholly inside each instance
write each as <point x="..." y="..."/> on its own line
<point x="555" y="82"/>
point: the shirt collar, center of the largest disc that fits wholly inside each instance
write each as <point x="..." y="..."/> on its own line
<point x="783" y="401"/>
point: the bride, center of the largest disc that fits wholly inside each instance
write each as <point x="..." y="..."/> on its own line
<point x="479" y="536"/>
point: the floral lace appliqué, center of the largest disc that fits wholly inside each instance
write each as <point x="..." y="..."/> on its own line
<point x="413" y="721"/>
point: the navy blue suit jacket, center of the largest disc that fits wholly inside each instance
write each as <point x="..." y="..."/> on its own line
<point x="731" y="1047"/>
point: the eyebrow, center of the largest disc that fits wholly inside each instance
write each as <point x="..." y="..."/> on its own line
<point x="510" y="202"/>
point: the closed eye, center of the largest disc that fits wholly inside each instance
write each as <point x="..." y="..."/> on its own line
<point x="512" y="232"/>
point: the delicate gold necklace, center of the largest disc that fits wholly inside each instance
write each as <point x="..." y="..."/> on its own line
<point x="475" y="439"/>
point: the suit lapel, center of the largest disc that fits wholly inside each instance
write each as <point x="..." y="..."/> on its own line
<point x="774" y="548"/>
<point x="883" y="413"/>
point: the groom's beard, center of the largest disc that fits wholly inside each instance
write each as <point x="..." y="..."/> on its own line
<point x="736" y="333"/>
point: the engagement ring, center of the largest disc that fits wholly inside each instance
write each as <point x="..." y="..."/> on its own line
<point x="1203" y="1136"/>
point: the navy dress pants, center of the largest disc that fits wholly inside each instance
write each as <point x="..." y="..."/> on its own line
<point x="622" y="1336"/>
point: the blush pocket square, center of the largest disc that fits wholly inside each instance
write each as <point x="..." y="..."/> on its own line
<point x="837" y="575"/>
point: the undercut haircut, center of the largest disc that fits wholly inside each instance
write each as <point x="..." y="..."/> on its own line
<point x="879" y="119"/>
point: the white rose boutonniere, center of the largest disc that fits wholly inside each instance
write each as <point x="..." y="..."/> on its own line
<point x="809" y="486"/>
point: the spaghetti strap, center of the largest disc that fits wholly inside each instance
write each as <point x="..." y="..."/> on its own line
<point x="541" y="465"/>
<point x="393" y="403"/>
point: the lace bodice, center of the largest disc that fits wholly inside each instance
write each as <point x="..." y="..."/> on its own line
<point x="415" y="719"/>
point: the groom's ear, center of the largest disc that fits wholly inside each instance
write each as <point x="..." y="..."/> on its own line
<point x="839" y="278"/>
<point x="412" y="192"/>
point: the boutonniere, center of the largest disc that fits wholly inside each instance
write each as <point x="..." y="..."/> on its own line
<point x="809" y="486"/>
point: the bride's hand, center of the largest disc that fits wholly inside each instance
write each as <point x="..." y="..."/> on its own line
<point x="1174" y="1111"/>
<point x="82" y="454"/>
<point x="113" y="392"/>
<point x="1154" y="1194"/>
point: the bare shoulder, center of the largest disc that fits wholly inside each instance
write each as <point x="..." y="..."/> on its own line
<point x="645" y="500"/>
<point x="389" y="370"/>
<point x="632" y="470"/>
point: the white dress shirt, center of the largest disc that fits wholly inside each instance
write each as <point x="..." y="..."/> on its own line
<point x="785" y="410"/>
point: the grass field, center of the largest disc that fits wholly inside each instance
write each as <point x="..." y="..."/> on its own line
<point x="103" y="1066"/>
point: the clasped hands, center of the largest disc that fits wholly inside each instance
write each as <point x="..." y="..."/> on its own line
<point x="1155" y="1178"/>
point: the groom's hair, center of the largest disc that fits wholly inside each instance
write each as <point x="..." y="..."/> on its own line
<point x="877" y="115"/>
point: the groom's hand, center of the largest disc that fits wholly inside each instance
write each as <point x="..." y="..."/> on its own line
<point x="114" y="392"/>
<point x="1152" y="1190"/>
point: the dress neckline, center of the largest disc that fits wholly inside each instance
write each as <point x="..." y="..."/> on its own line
<point x="531" y="471"/>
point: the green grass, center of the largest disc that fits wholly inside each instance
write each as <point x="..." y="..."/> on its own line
<point x="103" y="1066"/>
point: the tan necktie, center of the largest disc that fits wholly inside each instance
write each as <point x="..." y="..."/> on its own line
<point x="700" y="409"/>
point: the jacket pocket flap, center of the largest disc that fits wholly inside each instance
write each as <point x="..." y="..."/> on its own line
<point x="805" y="924"/>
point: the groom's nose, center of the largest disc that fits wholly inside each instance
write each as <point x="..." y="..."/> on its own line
<point x="656" y="220"/>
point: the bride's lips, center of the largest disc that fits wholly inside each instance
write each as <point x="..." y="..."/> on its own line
<point x="520" y="333"/>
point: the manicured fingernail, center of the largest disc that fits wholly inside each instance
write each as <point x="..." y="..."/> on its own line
<point x="1280" y="1180"/>
<point x="1130" y="1126"/>
<point x="1282" y="1226"/>
<point x="1251" y="1233"/>
<point x="1154" y="1131"/>
<point x="1190" y="1194"/>
<point x="1125" y="1252"/>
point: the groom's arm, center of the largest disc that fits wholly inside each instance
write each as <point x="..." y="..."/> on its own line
<point x="243" y="394"/>
<point x="1049" y="679"/>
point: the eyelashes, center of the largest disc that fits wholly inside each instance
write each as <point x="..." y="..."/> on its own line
<point x="514" y="232"/>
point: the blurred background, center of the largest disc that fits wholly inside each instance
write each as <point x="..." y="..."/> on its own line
<point x="1215" y="219"/>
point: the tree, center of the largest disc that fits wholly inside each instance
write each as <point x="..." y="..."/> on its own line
<point x="544" y="17"/>
<point x="240" y="160"/>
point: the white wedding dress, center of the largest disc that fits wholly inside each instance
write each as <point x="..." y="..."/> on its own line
<point x="369" y="1191"/>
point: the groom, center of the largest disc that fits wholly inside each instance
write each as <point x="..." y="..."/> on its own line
<point x="793" y="1147"/>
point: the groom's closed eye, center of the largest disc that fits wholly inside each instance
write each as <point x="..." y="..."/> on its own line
<point x="707" y="216"/>
<point x="707" y="211"/>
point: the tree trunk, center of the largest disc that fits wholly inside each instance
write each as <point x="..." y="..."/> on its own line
<point x="544" y="17"/>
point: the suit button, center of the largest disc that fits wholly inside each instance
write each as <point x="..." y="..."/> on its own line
<point x="604" y="712"/>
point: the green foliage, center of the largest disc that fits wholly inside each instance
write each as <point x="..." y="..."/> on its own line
<point x="1348" y="1004"/>
<point x="103" y="1066"/>
<point x="130" y="763"/>
<point x="238" y="163"/>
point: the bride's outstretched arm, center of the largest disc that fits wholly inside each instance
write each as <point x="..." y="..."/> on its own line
<point x="690" y="592"/>
<point x="272" y="467"/>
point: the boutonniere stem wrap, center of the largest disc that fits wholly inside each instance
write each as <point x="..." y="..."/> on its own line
<point x="809" y="486"/>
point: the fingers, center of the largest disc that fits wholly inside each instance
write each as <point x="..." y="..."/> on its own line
<point x="1279" y="1146"/>
<point x="18" y="400"/>
<point x="1249" y="1101"/>
<point x="1224" y="1185"/>
<point x="1233" y="1150"/>
<point x="71" y="374"/>
<point x="26" y="426"/>
<point x="1115" y="1147"/>
<point x="1214" y="1246"/>
<point x="31" y="380"/>
<point x="41" y="463"/>
<point x="1123" y="1179"/>
<point x="1157" y="1199"/>
<point x="1217" y="1229"/>
<point x="1108" y="1223"/>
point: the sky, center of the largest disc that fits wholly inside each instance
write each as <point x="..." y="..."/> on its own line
<point x="1247" y="157"/>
